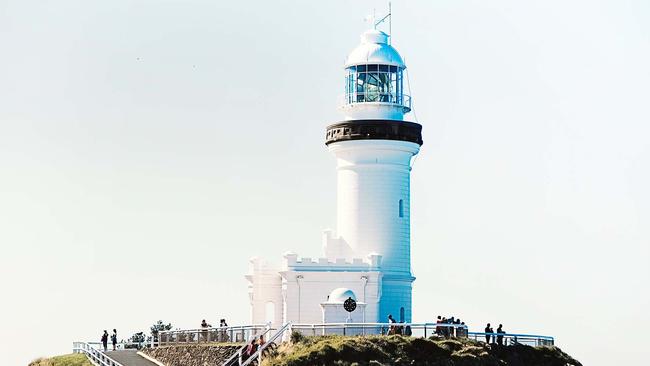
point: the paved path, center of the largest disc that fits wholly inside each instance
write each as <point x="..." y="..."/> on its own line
<point x="129" y="358"/>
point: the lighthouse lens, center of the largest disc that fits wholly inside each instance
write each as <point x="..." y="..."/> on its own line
<point x="374" y="83"/>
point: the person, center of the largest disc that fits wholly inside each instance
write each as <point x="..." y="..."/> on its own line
<point x="204" y="332"/>
<point x="500" y="333"/>
<point x="114" y="338"/>
<point x="251" y="349"/>
<point x="391" y="329"/>
<point x="445" y="329"/>
<point x="458" y="330"/>
<point x="438" y="330"/>
<point x="105" y="340"/>
<point x="488" y="330"/>
<point x="223" y="336"/>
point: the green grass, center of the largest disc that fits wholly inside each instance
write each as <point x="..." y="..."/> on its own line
<point x="75" y="359"/>
<point x="398" y="350"/>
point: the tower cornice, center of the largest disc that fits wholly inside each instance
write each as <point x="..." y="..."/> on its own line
<point x="374" y="129"/>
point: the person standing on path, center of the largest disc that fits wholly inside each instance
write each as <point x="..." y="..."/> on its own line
<point x="488" y="330"/>
<point x="105" y="340"/>
<point x="114" y="338"/>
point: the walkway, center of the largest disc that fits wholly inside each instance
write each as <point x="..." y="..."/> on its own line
<point x="129" y="358"/>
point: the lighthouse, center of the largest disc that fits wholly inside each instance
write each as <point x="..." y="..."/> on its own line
<point x="368" y="257"/>
<point x="374" y="148"/>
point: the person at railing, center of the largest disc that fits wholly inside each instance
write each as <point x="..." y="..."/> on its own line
<point x="443" y="329"/>
<point x="457" y="328"/>
<point x="105" y="340"/>
<point x="114" y="338"/>
<point x="391" y="329"/>
<point x="408" y="331"/>
<point x="439" y="328"/>
<point x="500" y="333"/>
<point x="204" y="333"/>
<point x="488" y="331"/>
<point x="223" y="336"/>
<point x="450" y="329"/>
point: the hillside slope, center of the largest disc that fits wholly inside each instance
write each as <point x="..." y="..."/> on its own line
<point x="75" y="359"/>
<point x="398" y="350"/>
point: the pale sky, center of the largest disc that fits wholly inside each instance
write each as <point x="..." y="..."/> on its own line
<point x="149" y="148"/>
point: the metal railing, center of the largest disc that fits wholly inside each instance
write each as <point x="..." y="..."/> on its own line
<point x="95" y="356"/>
<point x="237" y="357"/>
<point x="257" y="356"/>
<point x="206" y="335"/>
<point x="411" y="329"/>
<point x="509" y="339"/>
<point x="421" y="330"/>
<point x="120" y="346"/>
<point x="345" y="100"/>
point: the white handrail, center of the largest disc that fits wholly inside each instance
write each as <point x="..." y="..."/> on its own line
<point x="95" y="356"/>
<point x="260" y="350"/>
<point x="239" y="351"/>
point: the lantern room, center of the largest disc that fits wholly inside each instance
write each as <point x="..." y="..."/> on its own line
<point x="374" y="80"/>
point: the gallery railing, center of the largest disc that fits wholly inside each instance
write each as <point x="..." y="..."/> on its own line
<point x="214" y="334"/>
<point x="94" y="355"/>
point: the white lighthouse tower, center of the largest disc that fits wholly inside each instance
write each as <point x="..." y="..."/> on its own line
<point x="368" y="257"/>
<point x="374" y="147"/>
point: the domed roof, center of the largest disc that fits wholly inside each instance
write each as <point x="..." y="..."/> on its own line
<point x="374" y="49"/>
<point x="341" y="294"/>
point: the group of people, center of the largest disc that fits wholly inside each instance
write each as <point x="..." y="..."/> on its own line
<point x="454" y="327"/>
<point x="398" y="329"/>
<point x="221" y="335"/>
<point x="113" y="339"/>
<point x="489" y="334"/>
<point x="222" y="323"/>
<point x="255" y="344"/>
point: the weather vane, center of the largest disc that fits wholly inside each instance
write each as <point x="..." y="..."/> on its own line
<point x="376" y="22"/>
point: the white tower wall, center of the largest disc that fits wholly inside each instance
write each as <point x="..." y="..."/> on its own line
<point x="373" y="181"/>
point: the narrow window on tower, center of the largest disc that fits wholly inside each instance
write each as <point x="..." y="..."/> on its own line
<point x="401" y="208"/>
<point x="401" y="315"/>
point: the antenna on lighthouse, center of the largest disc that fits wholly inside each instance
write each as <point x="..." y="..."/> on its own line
<point x="390" y="21"/>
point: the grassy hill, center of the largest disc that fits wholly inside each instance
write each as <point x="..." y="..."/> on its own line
<point x="75" y="359"/>
<point x="398" y="350"/>
<point x="357" y="351"/>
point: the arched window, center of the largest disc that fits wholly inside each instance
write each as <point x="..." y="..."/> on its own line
<point x="401" y="208"/>
<point x="270" y="312"/>
<point x="401" y="314"/>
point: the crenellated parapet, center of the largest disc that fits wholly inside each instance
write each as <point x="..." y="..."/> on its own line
<point x="295" y="263"/>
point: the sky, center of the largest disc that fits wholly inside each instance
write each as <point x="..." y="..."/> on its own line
<point x="148" y="149"/>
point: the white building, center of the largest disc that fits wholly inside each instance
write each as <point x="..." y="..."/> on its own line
<point x="368" y="258"/>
